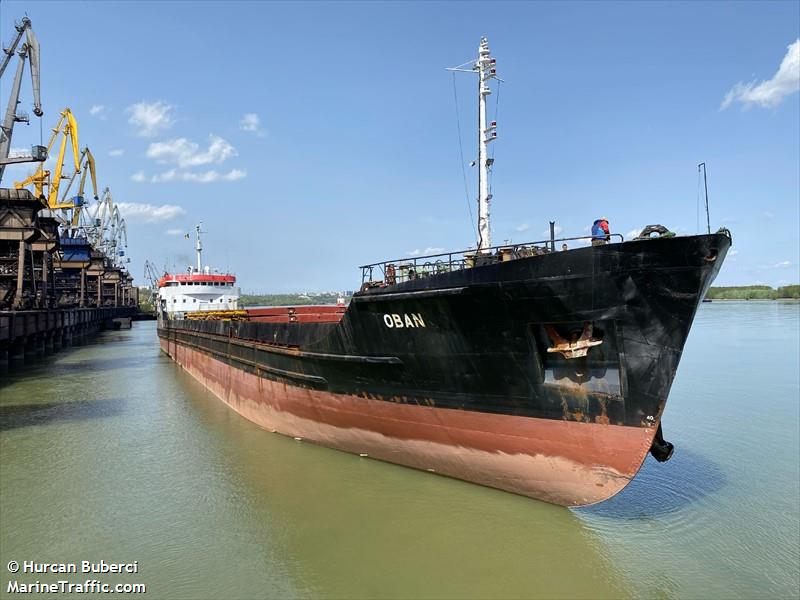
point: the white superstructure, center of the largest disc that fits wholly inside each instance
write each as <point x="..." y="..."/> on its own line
<point x="199" y="289"/>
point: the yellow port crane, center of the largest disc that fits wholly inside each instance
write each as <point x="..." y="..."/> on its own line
<point x="87" y="166"/>
<point x="67" y="126"/>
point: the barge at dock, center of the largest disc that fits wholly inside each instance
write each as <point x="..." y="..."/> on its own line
<point x="536" y="371"/>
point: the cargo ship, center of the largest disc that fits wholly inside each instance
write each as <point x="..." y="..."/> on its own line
<point x="527" y="368"/>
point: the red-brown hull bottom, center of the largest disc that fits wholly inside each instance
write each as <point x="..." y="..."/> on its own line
<point x="564" y="462"/>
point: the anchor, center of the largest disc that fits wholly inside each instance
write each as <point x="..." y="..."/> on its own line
<point x="575" y="348"/>
<point x="661" y="449"/>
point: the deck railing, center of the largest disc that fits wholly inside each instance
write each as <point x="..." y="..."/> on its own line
<point x="390" y="272"/>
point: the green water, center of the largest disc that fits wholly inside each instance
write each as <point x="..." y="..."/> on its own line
<point x="109" y="451"/>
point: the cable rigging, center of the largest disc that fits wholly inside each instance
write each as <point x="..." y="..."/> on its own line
<point x="461" y="152"/>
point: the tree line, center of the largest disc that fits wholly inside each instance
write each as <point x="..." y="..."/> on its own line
<point x="753" y="292"/>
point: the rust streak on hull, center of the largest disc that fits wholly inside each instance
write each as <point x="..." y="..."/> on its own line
<point x="562" y="462"/>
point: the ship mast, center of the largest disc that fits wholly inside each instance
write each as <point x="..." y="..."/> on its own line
<point x="485" y="68"/>
<point x="199" y="248"/>
<point x="486" y="71"/>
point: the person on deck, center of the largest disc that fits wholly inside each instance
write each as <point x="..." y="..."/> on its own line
<point x="600" y="232"/>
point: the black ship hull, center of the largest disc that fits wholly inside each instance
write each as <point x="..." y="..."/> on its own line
<point x="546" y="375"/>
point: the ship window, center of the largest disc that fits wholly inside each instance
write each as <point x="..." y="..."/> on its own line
<point x="195" y="300"/>
<point x="184" y="300"/>
<point x="174" y="299"/>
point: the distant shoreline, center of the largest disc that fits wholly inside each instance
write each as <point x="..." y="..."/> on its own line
<point x="754" y="292"/>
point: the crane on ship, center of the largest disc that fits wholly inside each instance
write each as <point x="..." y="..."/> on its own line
<point x="28" y="53"/>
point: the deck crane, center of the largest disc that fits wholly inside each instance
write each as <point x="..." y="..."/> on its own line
<point x="67" y="126"/>
<point x="28" y="52"/>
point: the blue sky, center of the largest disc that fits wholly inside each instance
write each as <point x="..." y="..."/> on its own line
<point x="352" y="155"/>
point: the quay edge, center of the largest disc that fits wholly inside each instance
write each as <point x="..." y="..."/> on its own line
<point x="30" y="334"/>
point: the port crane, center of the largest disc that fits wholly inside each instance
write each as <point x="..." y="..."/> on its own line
<point x="67" y="127"/>
<point x="28" y="52"/>
<point x="87" y="167"/>
<point x="118" y="240"/>
<point x="108" y="231"/>
<point x="152" y="277"/>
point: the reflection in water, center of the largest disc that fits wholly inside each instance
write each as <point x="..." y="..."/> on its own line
<point x="662" y="488"/>
<point x="359" y="528"/>
<point x="27" y="415"/>
<point x="111" y="451"/>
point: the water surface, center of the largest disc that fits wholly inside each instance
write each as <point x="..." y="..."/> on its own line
<point x="110" y="451"/>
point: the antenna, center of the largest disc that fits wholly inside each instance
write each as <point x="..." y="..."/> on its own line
<point x="485" y="67"/>
<point x="705" y="185"/>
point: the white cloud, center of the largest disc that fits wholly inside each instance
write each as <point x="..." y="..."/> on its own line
<point x="782" y="264"/>
<point x="150" y="118"/>
<point x="170" y="175"/>
<point x="134" y="212"/>
<point x="194" y="177"/>
<point x="251" y="122"/>
<point x="768" y="214"/>
<point x="425" y="252"/>
<point x="99" y="111"/>
<point x="733" y="253"/>
<point x="522" y="227"/>
<point x="771" y="92"/>
<point x="206" y="177"/>
<point x="138" y="177"/>
<point x="235" y="175"/>
<point x="185" y="153"/>
<point x="633" y="233"/>
<point x="17" y="152"/>
<point x="116" y="152"/>
<point x="174" y="232"/>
